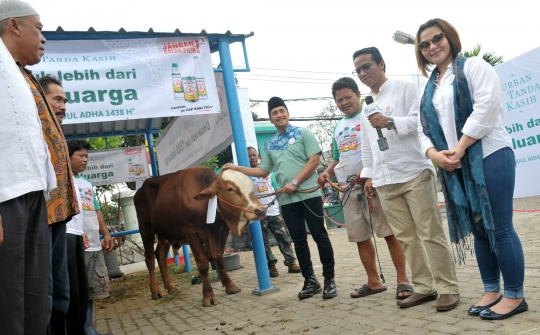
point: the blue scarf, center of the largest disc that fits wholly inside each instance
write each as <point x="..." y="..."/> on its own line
<point x="467" y="202"/>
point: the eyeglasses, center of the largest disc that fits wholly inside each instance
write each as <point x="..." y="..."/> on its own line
<point x="436" y="39"/>
<point x="364" y="68"/>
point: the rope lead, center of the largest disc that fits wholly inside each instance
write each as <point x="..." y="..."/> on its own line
<point x="375" y="240"/>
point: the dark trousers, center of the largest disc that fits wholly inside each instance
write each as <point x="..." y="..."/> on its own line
<point x="58" y="280"/>
<point x="78" y="285"/>
<point x="24" y="265"/>
<point x="295" y="215"/>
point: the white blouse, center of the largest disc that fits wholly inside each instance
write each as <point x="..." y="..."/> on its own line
<point x="486" y="120"/>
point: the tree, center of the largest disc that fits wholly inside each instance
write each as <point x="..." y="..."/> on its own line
<point x="252" y="104"/>
<point x="211" y="163"/>
<point x="489" y="57"/>
<point x="99" y="143"/>
<point x="224" y="157"/>
<point x="324" y="129"/>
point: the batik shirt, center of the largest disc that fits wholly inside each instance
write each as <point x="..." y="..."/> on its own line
<point x="286" y="154"/>
<point x="62" y="203"/>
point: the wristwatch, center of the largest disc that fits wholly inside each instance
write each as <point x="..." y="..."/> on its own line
<point x="390" y="125"/>
<point x="294" y="182"/>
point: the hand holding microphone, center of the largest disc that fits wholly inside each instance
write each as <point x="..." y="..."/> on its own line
<point x="370" y="112"/>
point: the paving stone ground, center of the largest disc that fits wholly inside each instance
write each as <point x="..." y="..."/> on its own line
<point x="282" y="313"/>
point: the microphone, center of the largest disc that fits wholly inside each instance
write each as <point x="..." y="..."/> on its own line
<point x="383" y="143"/>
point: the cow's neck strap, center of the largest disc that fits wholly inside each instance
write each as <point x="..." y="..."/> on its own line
<point x="232" y="205"/>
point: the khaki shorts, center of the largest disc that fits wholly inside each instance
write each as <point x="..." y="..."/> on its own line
<point x="357" y="218"/>
<point x="98" y="275"/>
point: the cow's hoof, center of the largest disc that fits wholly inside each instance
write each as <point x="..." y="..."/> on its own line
<point x="172" y="290"/>
<point x="208" y="302"/>
<point x="233" y="289"/>
<point x="156" y="296"/>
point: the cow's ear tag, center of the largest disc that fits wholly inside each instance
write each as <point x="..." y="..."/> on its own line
<point x="211" y="213"/>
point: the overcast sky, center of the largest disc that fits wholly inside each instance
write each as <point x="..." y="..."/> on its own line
<point x="301" y="47"/>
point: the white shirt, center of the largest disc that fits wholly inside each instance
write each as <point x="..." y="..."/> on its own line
<point x="404" y="160"/>
<point x="347" y="144"/>
<point x="263" y="186"/>
<point x="89" y="203"/>
<point x="75" y="225"/>
<point x="26" y="164"/>
<point x="486" y="120"/>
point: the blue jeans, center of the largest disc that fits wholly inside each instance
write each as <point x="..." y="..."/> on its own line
<point x="500" y="173"/>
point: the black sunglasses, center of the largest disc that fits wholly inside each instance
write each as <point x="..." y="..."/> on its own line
<point x="424" y="45"/>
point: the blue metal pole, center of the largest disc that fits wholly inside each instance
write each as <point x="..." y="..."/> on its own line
<point x="187" y="261"/>
<point x="150" y="140"/>
<point x="176" y="260"/>
<point x="263" y="275"/>
<point x="123" y="233"/>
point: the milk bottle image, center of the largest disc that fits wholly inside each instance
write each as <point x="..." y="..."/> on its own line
<point x="191" y="93"/>
<point x="136" y="170"/>
<point x="354" y="137"/>
<point x="177" y="82"/>
<point x="141" y="165"/>
<point x="130" y="163"/>
<point x="199" y="78"/>
<point x="346" y="139"/>
<point x="341" y="142"/>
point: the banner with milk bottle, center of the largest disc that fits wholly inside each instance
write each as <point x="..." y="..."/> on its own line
<point x="107" y="80"/>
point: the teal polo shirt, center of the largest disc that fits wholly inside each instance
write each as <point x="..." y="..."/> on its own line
<point x="286" y="155"/>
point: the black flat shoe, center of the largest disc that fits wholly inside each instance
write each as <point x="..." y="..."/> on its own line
<point x="487" y="314"/>
<point x="475" y="310"/>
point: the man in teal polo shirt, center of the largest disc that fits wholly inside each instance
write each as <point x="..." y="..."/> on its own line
<point x="293" y="155"/>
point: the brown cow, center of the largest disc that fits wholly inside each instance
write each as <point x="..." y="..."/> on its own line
<point x="174" y="207"/>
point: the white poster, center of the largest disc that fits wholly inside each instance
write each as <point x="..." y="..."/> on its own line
<point x="116" y="166"/>
<point x="192" y="140"/>
<point x="107" y="80"/>
<point x="520" y="78"/>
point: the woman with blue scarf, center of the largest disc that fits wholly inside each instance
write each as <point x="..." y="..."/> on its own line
<point x="463" y="133"/>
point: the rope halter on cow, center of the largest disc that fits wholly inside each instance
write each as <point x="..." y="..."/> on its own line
<point x="257" y="212"/>
<point x="345" y="189"/>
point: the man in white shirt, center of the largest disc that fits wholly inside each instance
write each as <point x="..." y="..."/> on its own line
<point x="405" y="181"/>
<point x="88" y="272"/>
<point x="93" y="226"/>
<point x="27" y="176"/>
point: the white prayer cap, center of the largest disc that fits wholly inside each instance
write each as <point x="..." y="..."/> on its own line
<point x="15" y="8"/>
